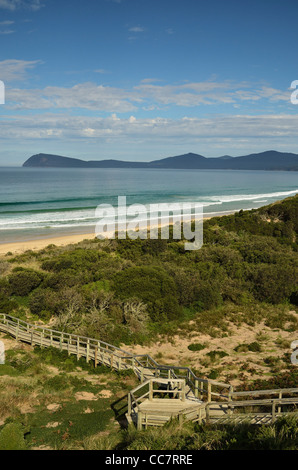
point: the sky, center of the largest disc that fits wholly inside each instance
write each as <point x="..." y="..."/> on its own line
<point x="146" y="79"/>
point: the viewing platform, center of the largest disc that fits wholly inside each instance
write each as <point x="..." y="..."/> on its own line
<point x="158" y="400"/>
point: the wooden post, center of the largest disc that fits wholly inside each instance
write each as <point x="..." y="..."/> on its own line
<point x="209" y="395"/>
<point x="196" y="388"/>
<point x="139" y="426"/>
<point x="51" y="339"/>
<point x="17" y="330"/>
<point x="87" y="350"/>
<point x="151" y="390"/>
<point x="207" y="413"/>
<point x="183" y="391"/>
<point x="230" y="409"/>
<point x="78" y="348"/>
<point x="129" y="405"/>
<point x="201" y="394"/>
<point x="95" y="356"/>
<point x="68" y="345"/>
<point x="279" y="406"/>
<point x="200" y="416"/>
<point x="273" y="411"/>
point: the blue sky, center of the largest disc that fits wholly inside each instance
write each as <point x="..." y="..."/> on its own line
<point x="144" y="79"/>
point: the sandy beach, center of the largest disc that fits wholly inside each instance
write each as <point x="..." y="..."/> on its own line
<point x="21" y="247"/>
<point x="39" y="244"/>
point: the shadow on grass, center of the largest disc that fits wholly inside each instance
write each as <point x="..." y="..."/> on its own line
<point x="120" y="409"/>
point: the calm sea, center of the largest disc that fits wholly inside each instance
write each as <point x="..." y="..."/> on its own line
<point x="42" y="203"/>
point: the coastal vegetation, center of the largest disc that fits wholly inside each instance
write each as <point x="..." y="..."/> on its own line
<point x="124" y="291"/>
<point x="228" y="310"/>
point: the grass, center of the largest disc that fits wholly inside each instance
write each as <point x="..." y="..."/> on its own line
<point x="32" y="381"/>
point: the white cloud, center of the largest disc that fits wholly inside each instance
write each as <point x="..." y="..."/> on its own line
<point x="146" y="96"/>
<point x="237" y="130"/>
<point x="85" y="96"/>
<point x="136" y="29"/>
<point x="13" y="5"/>
<point x="101" y="71"/>
<point x="12" y="70"/>
<point x="7" y="31"/>
<point x="6" y="23"/>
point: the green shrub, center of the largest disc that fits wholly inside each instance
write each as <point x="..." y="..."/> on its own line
<point x="207" y="295"/>
<point x="254" y="347"/>
<point x="196" y="347"/>
<point x="24" y="281"/>
<point x="6" y="304"/>
<point x="12" y="437"/>
<point x="216" y="355"/>
<point x="153" y="286"/>
<point x="78" y="260"/>
<point x="274" y="283"/>
<point x="213" y="374"/>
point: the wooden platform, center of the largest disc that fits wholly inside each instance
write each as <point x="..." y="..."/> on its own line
<point x="166" y="406"/>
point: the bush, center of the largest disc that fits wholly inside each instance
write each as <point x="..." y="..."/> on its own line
<point x="12" y="437"/>
<point x="196" y="347"/>
<point x="207" y="296"/>
<point x="216" y="355"/>
<point x="78" y="260"/>
<point x="6" y="304"/>
<point x="46" y="301"/>
<point x="153" y="286"/>
<point x="254" y="347"/>
<point x="25" y="281"/>
<point x="273" y="283"/>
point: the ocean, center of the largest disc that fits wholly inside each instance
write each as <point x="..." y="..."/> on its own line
<point x="45" y="203"/>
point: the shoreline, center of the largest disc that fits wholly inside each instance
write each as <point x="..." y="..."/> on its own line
<point x="64" y="240"/>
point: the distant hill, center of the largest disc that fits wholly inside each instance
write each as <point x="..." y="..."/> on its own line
<point x="270" y="160"/>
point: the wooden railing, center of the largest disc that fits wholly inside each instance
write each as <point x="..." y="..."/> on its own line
<point x="89" y="348"/>
<point x="201" y="388"/>
<point x="253" y="408"/>
<point x="212" y="392"/>
<point x="111" y="356"/>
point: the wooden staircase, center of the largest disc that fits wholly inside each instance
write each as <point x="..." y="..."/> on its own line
<point x="192" y="398"/>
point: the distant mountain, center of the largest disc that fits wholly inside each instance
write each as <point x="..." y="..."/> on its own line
<point x="270" y="160"/>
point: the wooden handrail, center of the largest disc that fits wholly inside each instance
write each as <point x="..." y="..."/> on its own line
<point x="265" y="392"/>
<point x="95" y="347"/>
<point x="118" y="358"/>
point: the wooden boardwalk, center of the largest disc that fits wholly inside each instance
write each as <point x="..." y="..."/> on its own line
<point x="165" y="391"/>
